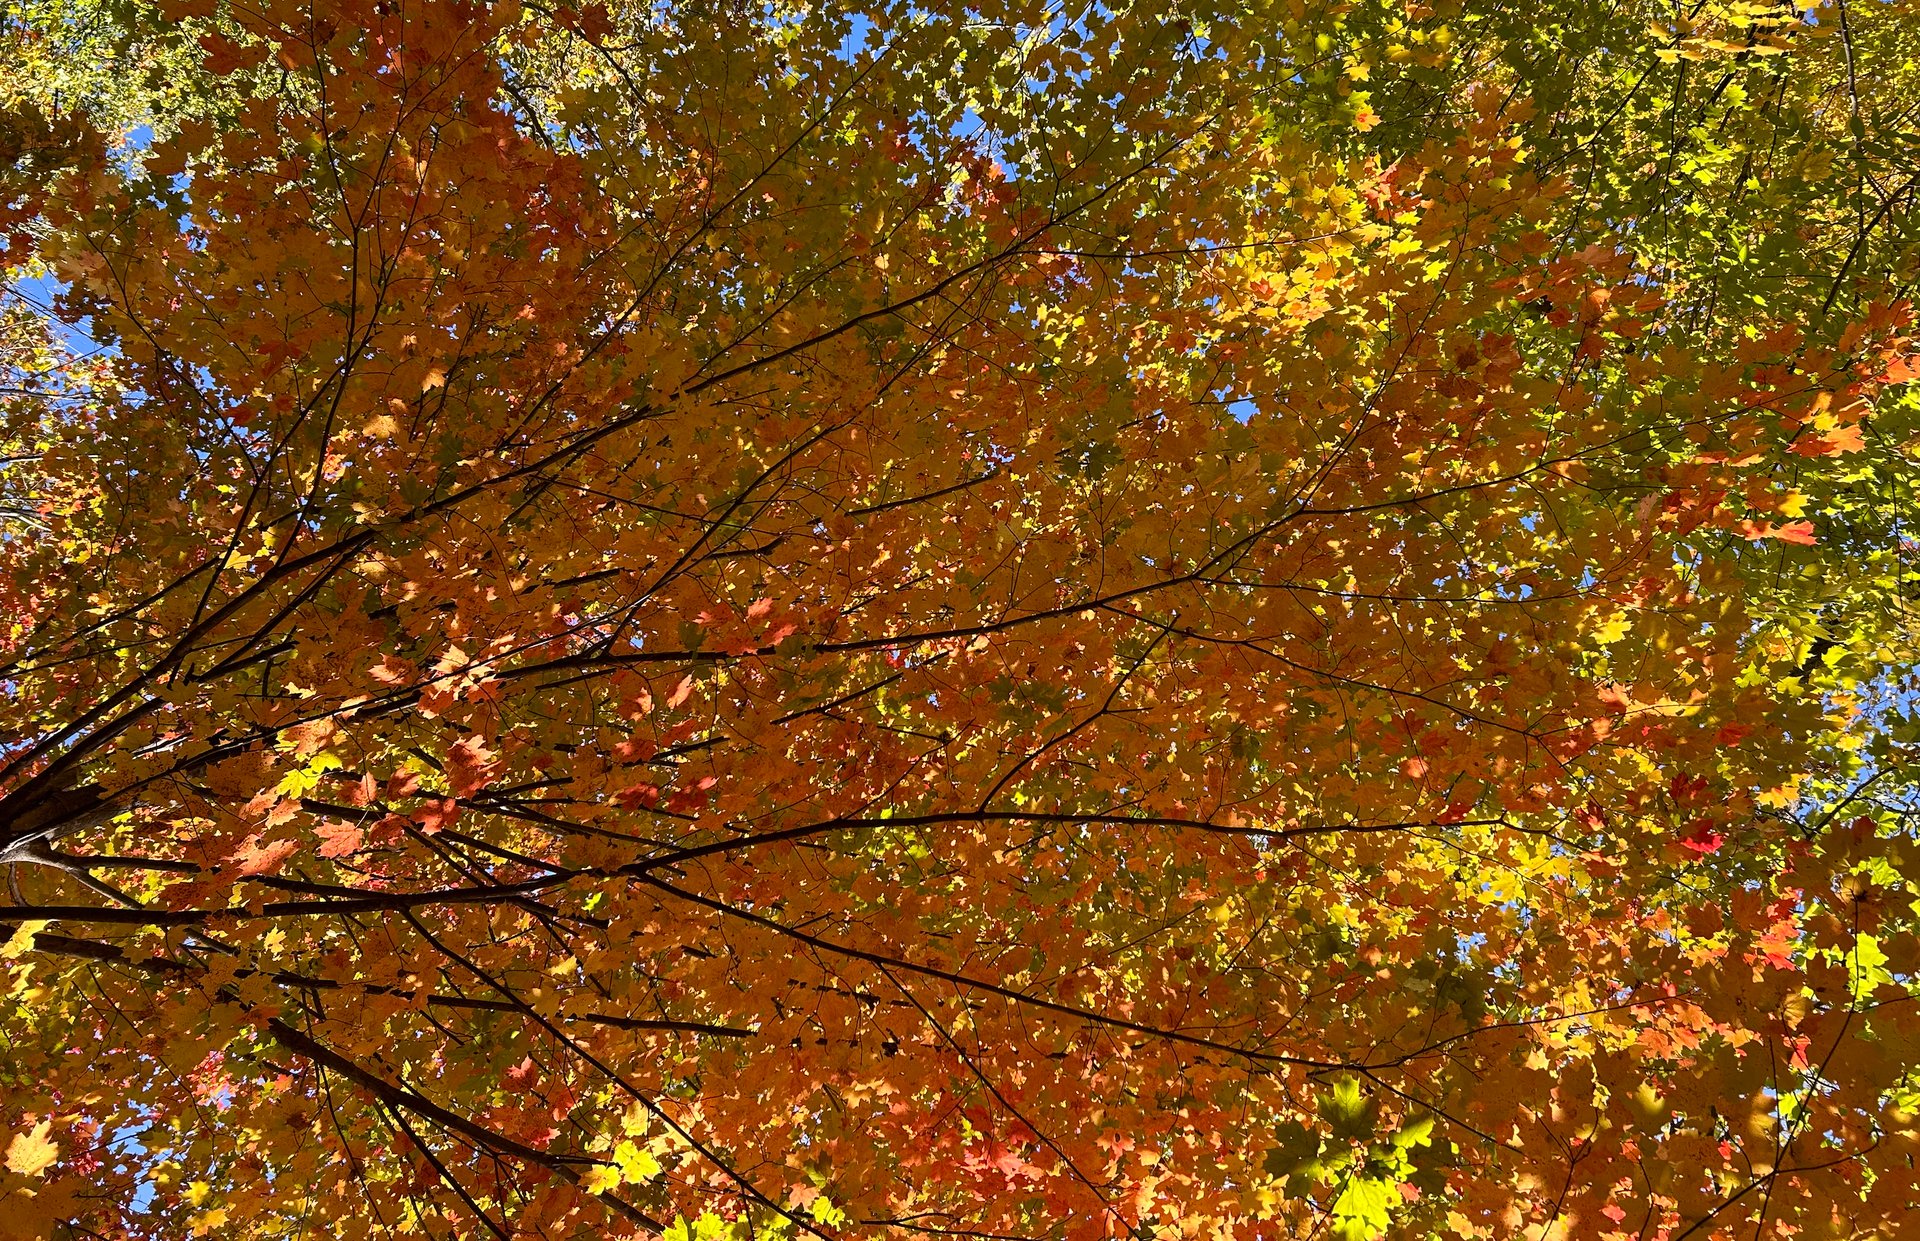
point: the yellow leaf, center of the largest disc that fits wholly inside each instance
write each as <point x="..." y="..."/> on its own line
<point x="637" y="1166"/>
<point x="1612" y="630"/>
<point x="22" y="939"/>
<point x="599" y="1179"/>
<point x="32" y="1153"/>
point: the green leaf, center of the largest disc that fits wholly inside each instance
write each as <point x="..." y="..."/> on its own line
<point x="1348" y="1110"/>
<point x="1869" y="967"/>
<point x="1361" y="1210"/>
<point x="1296" y="1150"/>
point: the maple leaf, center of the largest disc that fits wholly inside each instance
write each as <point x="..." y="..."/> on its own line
<point x="33" y="1152"/>
<point x="1704" y="838"/>
<point x="391" y="671"/>
<point x="256" y="858"/>
<point x="1831" y="443"/>
<point x="470" y="765"/>
<point x="436" y="814"/>
<point x="226" y="56"/>
<point x="339" y="839"/>
<point x="1797" y="532"/>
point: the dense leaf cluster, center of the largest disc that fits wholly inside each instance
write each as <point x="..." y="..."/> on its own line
<point x="1009" y="620"/>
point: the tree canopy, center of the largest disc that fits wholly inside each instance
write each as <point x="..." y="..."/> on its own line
<point x="1262" y="619"/>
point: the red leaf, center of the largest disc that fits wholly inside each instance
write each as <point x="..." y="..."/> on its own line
<point x="638" y="796"/>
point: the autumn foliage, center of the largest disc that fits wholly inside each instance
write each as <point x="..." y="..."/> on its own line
<point x="927" y="620"/>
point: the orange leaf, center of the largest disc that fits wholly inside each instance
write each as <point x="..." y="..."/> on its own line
<point x="436" y="814"/>
<point x="340" y="839"/>
<point x="1799" y="532"/>
<point x="255" y="858"/>
<point x="470" y="766"/>
<point x="1832" y="444"/>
